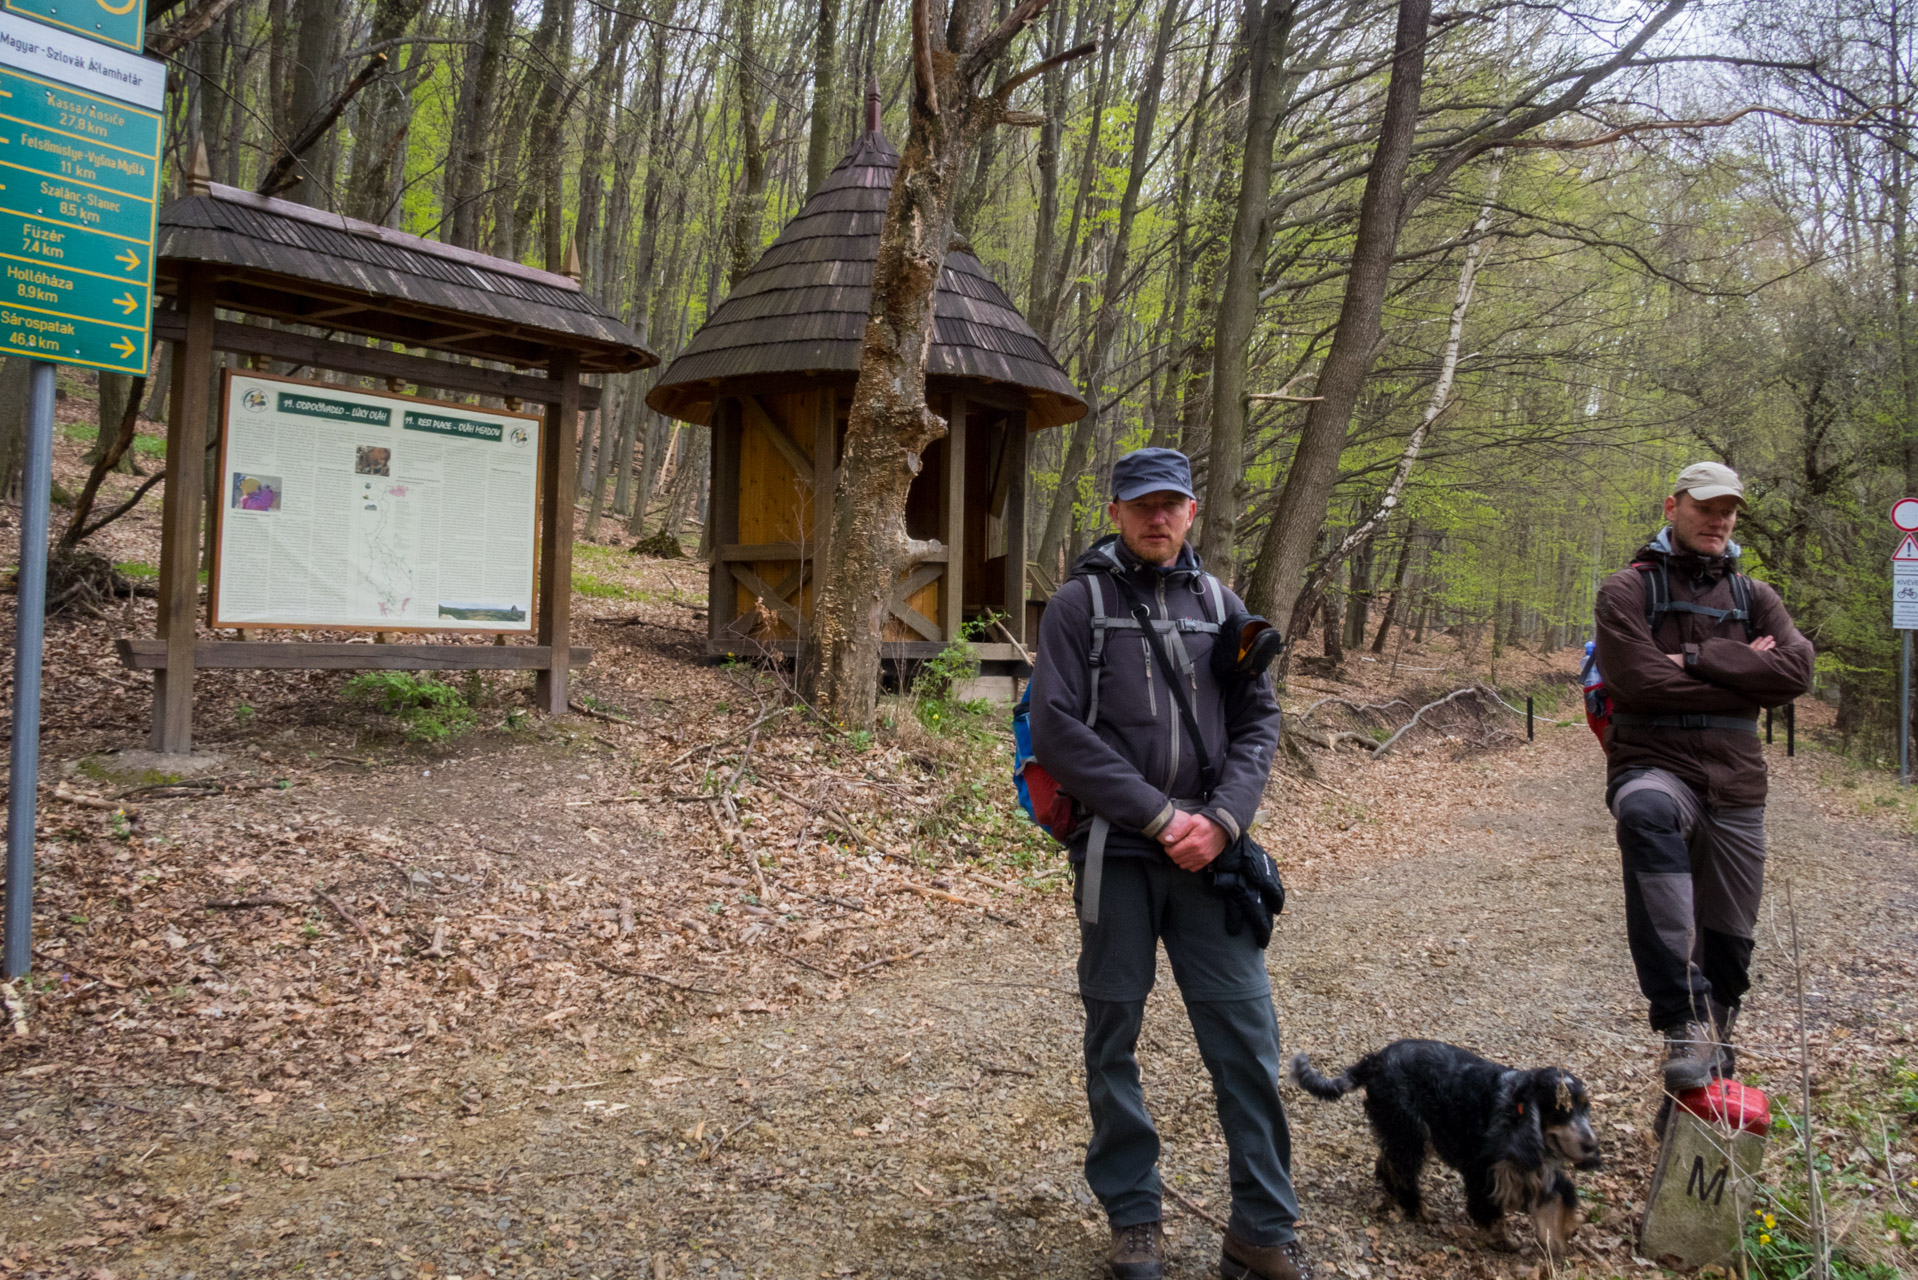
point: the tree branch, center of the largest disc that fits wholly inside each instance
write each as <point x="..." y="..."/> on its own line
<point x="1657" y="126"/>
<point x="282" y="176"/>
<point x="188" y="29"/>
<point x="922" y="56"/>
<point x="1004" y="91"/>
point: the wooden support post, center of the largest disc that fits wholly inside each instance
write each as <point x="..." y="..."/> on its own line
<point x="952" y="521"/>
<point x="180" y="513"/>
<point x="722" y="516"/>
<point x="825" y="476"/>
<point x="555" y="627"/>
<point x="1015" y="523"/>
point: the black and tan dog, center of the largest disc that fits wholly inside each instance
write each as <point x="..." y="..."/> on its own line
<point x="1508" y="1133"/>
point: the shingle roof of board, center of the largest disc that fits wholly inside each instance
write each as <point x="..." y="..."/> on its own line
<point x="275" y="257"/>
<point x="802" y="308"/>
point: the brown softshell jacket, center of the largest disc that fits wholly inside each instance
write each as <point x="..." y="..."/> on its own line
<point x="1722" y="674"/>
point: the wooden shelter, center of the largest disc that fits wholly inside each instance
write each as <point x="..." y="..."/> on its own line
<point x="772" y="373"/>
<point x="222" y="251"/>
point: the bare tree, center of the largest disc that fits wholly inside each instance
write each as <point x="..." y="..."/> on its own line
<point x="890" y="422"/>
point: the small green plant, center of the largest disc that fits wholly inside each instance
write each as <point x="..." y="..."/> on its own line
<point x="243" y="713"/>
<point x="940" y="676"/>
<point x="598" y="588"/>
<point x="430" y="710"/>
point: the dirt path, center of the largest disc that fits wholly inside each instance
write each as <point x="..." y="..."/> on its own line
<point x="931" y="1125"/>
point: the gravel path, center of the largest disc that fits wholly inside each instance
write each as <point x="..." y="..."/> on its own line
<point x="931" y="1124"/>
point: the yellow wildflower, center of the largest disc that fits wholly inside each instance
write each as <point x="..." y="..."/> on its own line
<point x="1763" y="1238"/>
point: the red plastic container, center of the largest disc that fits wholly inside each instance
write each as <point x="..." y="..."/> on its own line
<point x="1726" y="1102"/>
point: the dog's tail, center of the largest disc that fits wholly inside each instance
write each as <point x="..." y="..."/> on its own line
<point x="1317" y="1085"/>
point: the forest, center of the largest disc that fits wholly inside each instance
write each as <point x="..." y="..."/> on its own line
<point x="1436" y="301"/>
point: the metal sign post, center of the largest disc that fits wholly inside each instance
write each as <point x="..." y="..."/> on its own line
<point x="36" y="487"/>
<point x="80" y="134"/>
<point x="1904" y="617"/>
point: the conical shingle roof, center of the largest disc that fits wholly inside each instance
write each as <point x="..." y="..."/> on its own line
<point x="802" y="308"/>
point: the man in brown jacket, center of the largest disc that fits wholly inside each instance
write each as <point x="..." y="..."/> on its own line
<point x="1690" y="651"/>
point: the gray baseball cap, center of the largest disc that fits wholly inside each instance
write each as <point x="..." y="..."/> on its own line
<point x="1146" y="471"/>
<point x="1708" y="480"/>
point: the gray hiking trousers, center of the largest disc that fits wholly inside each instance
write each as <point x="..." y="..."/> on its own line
<point x="1228" y="998"/>
<point x="1693" y="879"/>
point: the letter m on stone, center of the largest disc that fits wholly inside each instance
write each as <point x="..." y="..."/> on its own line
<point x="1707" y="1191"/>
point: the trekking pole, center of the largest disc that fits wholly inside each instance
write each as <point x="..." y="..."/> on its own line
<point x="1767" y="726"/>
<point x="1791" y="728"/>
<point x="1528" y="718"/>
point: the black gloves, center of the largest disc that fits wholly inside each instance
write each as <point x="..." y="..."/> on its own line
<point x="1246" y="877"/>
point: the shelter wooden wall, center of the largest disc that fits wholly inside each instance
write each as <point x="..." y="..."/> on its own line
<point x="772" y="510"/>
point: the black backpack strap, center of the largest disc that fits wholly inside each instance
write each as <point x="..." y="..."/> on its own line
<point x="1658" y="594"/>
<point x="1142" y="613"/>
<point x="1742" y="604"/>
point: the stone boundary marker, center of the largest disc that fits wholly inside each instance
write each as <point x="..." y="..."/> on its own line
<point x="1707" y="1169"/>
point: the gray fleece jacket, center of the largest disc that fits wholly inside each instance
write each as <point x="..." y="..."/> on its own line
<point x="1134" y="765"/>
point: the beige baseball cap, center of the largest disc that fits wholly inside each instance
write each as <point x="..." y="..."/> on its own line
<point x="1708" y="480"/>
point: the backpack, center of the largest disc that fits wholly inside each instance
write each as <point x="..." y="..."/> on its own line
<point x="1658" y="603"/>
<point x="1039" y="792"/>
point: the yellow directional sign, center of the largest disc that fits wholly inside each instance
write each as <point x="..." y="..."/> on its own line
<point x="79" y="186"/>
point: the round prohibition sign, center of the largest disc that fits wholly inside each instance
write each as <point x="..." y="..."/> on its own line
<point x="1904" y="514"/>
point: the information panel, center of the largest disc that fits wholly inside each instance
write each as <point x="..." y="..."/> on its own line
<point x="79" y="183"/>
<point x="342" y="509"/>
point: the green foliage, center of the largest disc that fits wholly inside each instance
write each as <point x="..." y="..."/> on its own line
<point x="428" y="709"/>
<point x="939" y="677"/>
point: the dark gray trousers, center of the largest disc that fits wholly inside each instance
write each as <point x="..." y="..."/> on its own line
<point x="1693" y="878"/>
<point x="1228" y="998"/>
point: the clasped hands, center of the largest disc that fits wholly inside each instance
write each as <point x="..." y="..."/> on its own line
<point x="1192" y="840"/>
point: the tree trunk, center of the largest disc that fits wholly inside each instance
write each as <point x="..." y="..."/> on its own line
<point x="1167" y="427"/>
<point x="1053" y="91"/>
<point x="13" y="425"/>
<point x="1441" y="396"/>
<point x="315" y="50"/>
<point x="1300" y="512"/>
<point x="1358" y="607"/>
<point x="1106" y="323"/>
<point x="1268" y="33"/>
<point x="825" y="88"/>
<point x="1394" y="605"/>
<point x="891" y="424"/>
<point x="382" y="113"/>
<point x="466" y="159"/>
<point x="1334" y="628"/>
<point x="749" y="206"/>
<point x="549" y="63"/>
<point x="659" y="433"/>
<point x="112" y="411"/>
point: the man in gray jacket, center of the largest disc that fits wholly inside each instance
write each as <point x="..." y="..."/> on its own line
<point x="1104" y="725"/>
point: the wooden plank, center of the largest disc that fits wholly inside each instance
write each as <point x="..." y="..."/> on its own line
<point x="891" y="650"/>
<point x="901" y="609"/>
<point x="180" y="513"/>
<point x="765" y="594"/>
<point x="346" y="357"/>
<point x="952" y="519"/>
<point x="1015" y="523"/>
<point x="742" y="551"/>
<point x="271" y="655"/>
<point x="555" y="623"/>
<point x="722" y="514"/>
<point x="758" y="415"/>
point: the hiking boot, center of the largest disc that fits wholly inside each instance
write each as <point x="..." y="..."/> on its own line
<point x="1690" y="1056"/>
<point x="1137" y="1252"/>
<point x="1241" y="1261"/>
<point x="1724" y="1018"/>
